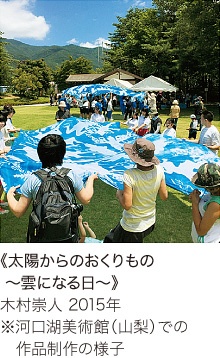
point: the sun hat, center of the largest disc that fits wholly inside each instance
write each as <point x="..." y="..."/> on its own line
<point x="207" y="176"/>
<point x="154" y="111"/>
<point x="153" y="94"/>
<point x="193" y="116"/>
<point x="62" y="104"/>
<point x="175" y="101"/>
<point x="141" y="152"/>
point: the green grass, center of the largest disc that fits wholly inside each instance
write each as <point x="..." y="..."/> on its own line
<point x="174" y="218"/>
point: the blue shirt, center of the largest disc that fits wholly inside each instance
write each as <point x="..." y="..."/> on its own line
<point x="30" y="187"/>
<point x="99" y="105"/>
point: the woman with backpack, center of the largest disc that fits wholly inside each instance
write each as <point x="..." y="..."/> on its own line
<point x="51" y="150"/>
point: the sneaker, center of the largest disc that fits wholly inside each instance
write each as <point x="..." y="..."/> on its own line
<point x="3" y="211"/>
<point x="3" y="203"/>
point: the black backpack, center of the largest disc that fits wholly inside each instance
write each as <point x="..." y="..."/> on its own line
<point x="54" y="217"/>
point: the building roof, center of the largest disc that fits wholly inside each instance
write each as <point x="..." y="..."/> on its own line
<point x="96" y="77"/>
<point x="85" y="77"/>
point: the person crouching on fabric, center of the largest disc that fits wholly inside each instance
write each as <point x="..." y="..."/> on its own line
<point x="51" y="151"/>
<point x="206" y="210"/>
<point x="143" y="125"/>
<point x="138" y="199"/>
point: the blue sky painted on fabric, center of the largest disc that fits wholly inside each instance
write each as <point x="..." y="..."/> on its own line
<point x="48" y="22"/>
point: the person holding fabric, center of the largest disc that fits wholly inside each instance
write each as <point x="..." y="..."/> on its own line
<point x="209" y="136"/>
<point x="206" y="210"/>
<point x="152" y="102"/>
<point x="62" y="113"/>
<point x="132" y="122"/>
<point x="51" y="151"/>
<point x="97" y="116"/>
<point x="9" y="129"/>
<point x="170" y="128"/>
<point x="143" y="126"/>
<point x="138" y="198"/>
<point x="175" y="111"/>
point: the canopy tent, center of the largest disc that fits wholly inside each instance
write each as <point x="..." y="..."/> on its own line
<point x="97" y="89"/>
<point x="119" y="83"/>
<point x="153" y="83"/>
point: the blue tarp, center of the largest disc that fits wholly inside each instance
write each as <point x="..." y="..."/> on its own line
<point x="98" y="147"/>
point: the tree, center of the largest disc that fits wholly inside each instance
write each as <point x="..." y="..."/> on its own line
<point x="32" y="78"/>
<point x="71" y="66"/>
<point x="194" y="25"/>
<point x="177" y="41"/>
<point x="5" y="64"/>
<point x="138" y="44"/>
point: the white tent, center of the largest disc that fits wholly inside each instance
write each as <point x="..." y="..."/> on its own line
<point x="118" y="83"/>
<point x="153" y="83"/>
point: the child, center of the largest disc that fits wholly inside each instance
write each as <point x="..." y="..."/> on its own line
<point x="132" y="122"/>
<point x="97" y="116"/>
<point x="193" y="127"/>
<point x="3" y="151"/>
<point x="9" y="130"/>
<point x="171" y="128"/>
<point x="83" y="237"/>
<point x="206" y="210"/>
<point x="143" y="126"/>
<point x="138" y="199"/>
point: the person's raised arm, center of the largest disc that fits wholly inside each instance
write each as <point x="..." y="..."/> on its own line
<point x="85" y="194"/>
<point x="18" y="207"/>
<point x="203" y="224"/>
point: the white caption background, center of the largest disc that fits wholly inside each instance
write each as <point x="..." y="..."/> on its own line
<point x="170" y="309"/>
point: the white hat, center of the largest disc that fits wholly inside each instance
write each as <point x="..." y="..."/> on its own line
<point x="193" y="116"/>
<point x="175" y="101"/>
<point x="62" y="104"/>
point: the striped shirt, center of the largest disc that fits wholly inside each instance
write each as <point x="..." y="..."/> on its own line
<point x="145" y="186"/>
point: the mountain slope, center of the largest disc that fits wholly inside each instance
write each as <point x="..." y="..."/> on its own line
<point x="53" y="55"/>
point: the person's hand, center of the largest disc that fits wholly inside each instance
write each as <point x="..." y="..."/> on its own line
<point x="94" y="176"/>
<point x="119" y="193"/>
<point x="86" y="224"/>
<point x="13" y="189"/>
<point x="194" y="196"/>
<point x="80" y="219"/>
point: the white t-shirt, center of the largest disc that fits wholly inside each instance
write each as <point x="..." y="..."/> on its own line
<point x="170" y="132"/>
<point x="9" y="124"/>
<point x="93" y="103"/>
<point x="213" y="235"/>
<point x="144" y="120"/>
<point x="210" y="136"/>
<point x="131" y="123"/>
<point x="97" y="118"/>
<point x="109" y="105"/>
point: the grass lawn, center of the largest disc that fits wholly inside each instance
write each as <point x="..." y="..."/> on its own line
<point x="174" y="219"/>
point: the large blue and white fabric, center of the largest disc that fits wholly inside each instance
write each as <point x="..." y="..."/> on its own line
<point x="98" y="147"/>
<point x="97" y="90"/>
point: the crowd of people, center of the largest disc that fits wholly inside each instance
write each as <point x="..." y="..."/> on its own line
<point x="142" y="183"/>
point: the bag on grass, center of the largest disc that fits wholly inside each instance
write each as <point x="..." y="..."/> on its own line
<point x="55" y="212"/>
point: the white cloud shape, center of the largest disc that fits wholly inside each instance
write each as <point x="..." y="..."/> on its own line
<point x="73" y="41"/>
<point x="17" y="20"/>
<point x="98" y="42"/>
<point x="139" y="3"/>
